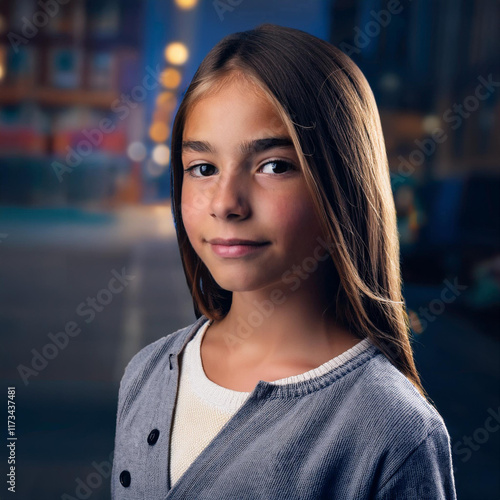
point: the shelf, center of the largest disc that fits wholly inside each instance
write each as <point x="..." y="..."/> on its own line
<point x="10" y="95"/>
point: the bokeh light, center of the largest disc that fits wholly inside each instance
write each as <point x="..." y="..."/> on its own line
<point x="136" y="151"/>
<point x="430" y="123"/>
<point x="170" y="78"/>
<point x="161" y="154"/>
<point x="176" y="53"/>
<point x="158" y="132"/>
<point x="186" y="4"/>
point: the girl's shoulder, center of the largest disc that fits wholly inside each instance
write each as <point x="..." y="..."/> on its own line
<point x="410" y="434"/>
<point x="393" y="404"/>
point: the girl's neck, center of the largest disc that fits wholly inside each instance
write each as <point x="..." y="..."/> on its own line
<point x="277" y="324"/>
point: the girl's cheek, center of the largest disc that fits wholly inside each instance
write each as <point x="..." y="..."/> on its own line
<point x="195" y="200"/>
<point x="298" y="222"/>
<point x="292" y="210"/>
<point x="192" y="203"/>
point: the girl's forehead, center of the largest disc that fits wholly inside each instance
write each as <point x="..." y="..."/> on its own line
<point x="239" y="87"/>
<point x="234" y="101"/>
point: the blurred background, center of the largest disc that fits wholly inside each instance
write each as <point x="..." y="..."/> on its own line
<point x="89" y="266"/>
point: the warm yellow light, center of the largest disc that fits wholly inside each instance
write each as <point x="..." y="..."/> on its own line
<point x="161" y="155"/>
<point x="167" y="101"/>
<point x="2" y="72"/>
<point x="158" y="132"/>
<point x="176" y="53"/>
<point x="170" y="78"/>
<point x="186" y="4"/>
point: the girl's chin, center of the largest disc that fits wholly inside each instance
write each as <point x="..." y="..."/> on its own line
<point x="238" y="284"/>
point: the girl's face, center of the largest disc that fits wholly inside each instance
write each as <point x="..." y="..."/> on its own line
<point x="242" y="180"/>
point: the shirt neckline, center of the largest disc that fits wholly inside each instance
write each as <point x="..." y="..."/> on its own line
<point x="230" y="400"/>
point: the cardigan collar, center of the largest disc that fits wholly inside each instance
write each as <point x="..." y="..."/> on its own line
<point x="265" y="389"/>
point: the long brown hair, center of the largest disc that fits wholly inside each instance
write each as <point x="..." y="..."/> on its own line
<point x="331" y="115"/>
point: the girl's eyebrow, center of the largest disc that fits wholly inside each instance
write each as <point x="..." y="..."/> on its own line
<point x="245" y="148"/>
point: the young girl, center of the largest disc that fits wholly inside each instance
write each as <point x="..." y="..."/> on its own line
<point x="297" y="380"/>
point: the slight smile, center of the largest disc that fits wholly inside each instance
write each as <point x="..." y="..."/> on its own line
<point x="234" y="248"/>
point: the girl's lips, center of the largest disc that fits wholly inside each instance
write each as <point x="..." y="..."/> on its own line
<point x="235" y="241"/>
<point x="235" y="251"/>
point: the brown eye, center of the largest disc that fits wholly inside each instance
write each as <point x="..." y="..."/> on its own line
<point x="204" y="170"/>
<point x="278" y="166"/>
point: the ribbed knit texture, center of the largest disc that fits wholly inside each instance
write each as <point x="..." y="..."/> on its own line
<point x="360" y="430"/>
<point x="203" y="407"/>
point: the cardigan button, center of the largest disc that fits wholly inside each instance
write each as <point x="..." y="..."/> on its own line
<point x="153" y="436"/>
<point x="125" y="478"/>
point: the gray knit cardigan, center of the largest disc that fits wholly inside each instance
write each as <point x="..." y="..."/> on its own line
<point x="360" y="431"/>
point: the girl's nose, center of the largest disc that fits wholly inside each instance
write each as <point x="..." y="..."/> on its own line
<point x="229" y="198"/>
